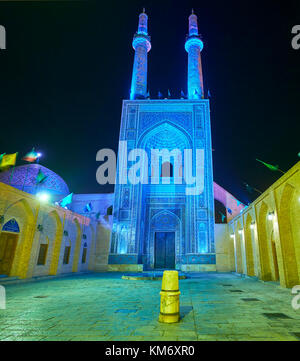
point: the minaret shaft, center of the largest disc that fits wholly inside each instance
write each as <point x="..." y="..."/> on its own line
<point x="193" y="46"/>
<point x="141" y="44"/>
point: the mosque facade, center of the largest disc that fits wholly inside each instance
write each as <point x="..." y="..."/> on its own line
<point x="164" y="222"/>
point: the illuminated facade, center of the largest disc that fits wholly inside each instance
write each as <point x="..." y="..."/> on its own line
<point x="159" y="225"/>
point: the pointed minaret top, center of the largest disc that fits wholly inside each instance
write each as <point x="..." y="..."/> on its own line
<point x="143" y="26"/>
<point x="193" y="25"/>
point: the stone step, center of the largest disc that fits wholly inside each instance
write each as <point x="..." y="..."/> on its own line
<point x="5" y="279"/>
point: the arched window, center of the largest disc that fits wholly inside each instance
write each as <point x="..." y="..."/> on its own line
<point x="11" y="226"/>
<point x="220" y="212"/>
<point x="43" y="253"/>
<point x="67" y="252"/>
<point x="166" y="170"/>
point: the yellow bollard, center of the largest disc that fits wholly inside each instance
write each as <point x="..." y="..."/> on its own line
<point x="169" y="298"/>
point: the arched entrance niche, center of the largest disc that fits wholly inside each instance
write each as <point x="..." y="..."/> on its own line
<point x="77" y="246"/>
<point x="23" y="215"/>
<point x="164" y="246"/>
<point x="274" y="257"/>
<point x="249" y="247"/>
<point x="291" y="276"/>
<point x="56" y="240"/>
<point x="165" y="190"/>
<point x="8" y="243"/>
<point x="263" y="240"/>
<point x="170" y="137"/>
<point x="238" y="248"/>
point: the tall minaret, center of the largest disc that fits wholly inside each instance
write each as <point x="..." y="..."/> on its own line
<point x="141" y="44"/>
<point x="193" y="46"/>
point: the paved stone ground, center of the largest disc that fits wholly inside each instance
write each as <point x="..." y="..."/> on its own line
<point x="105" y="307"/>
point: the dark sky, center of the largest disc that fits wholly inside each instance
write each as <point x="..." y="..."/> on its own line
<point x="68" y="66"/>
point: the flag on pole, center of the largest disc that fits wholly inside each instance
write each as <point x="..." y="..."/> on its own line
<point x="8" y="160"/>
<point x="66" y="200"/>
<point x="41" y="177"/>
<point x="249" y="188"/>
<point x="208" y="94"/>
<point x="169" y="94"/>
<point x="88" y="207"/>
<point x="31" y="156"/>
<point x="274" y="168"/>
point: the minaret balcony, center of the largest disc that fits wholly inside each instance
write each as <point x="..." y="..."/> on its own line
<point x="193" y="40"/>
<point x="141" y="40"/>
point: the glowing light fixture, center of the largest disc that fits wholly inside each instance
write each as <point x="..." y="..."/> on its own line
<point x="252" y="225"/>
<point x="43" y="197"/>
<point x="240" y="231"/>
<point x="232" y="235"/>
<point x="271" y="216"/>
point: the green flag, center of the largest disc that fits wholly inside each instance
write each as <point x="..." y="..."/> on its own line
<point x="41" y="177"/>
<point x="66" y="200"/>
<point x="274" y="168"/>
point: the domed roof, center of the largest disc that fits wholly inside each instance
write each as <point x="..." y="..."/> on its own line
<point x="24" y="178"/>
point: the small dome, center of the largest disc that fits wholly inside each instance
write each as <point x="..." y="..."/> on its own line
<point x="24" y="178"/>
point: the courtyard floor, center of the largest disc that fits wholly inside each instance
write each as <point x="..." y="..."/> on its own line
<point x="105" y="307"/>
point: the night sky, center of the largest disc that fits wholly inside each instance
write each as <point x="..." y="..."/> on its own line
<point x="68" y="66"/>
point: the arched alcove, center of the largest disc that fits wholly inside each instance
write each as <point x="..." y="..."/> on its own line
<point x="286" y="236"/>
<point x="22" y="213"/>
<point x="249" y="246"/>
<point x="238" y="248"/>
<point x="8" y="243"/>
<point x="263" y="242"/>
<point x="169" y="137"/>
<point x="77" y="246"/>
<point x="164" y="239"/>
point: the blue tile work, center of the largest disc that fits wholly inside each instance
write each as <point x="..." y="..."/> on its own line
<point x="142" y="210"/>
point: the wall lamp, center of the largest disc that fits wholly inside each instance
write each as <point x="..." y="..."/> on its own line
<point x="252" y="225"/>
<point x="240" y="231"/>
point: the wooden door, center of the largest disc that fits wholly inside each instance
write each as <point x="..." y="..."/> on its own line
<point x="8" y="244"/>
<point x="164" y="250"/>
